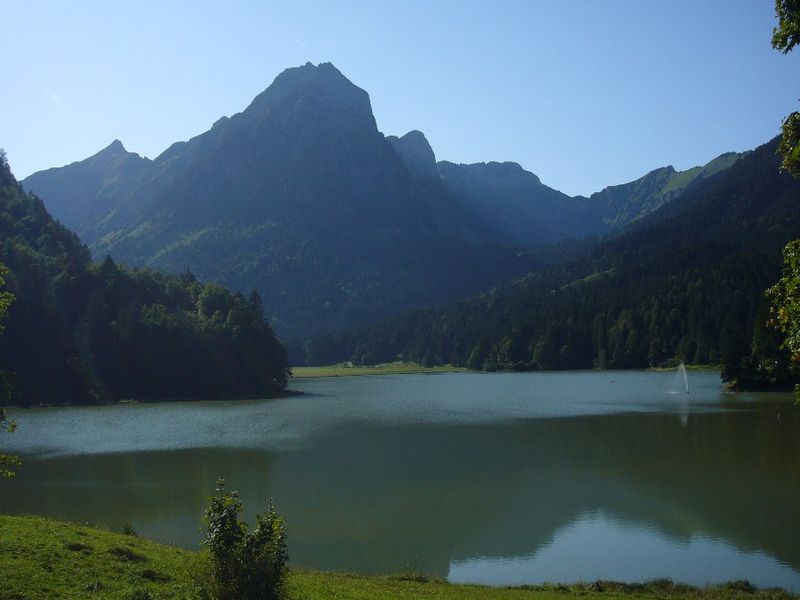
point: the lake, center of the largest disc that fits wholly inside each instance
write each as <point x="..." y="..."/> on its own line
<point x="493" y="478"/>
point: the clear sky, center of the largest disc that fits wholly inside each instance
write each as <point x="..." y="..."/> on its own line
<point x="584" y="93"/>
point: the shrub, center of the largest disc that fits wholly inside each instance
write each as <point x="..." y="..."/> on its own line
<point x="241" y="564"/>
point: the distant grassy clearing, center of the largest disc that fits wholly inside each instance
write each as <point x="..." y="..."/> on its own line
<point x="394" y="368"/>
<point x="688" y="368"/>
<point x="44" y="558"/>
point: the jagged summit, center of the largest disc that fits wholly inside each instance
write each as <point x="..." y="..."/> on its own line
<point x="114" y="149"/>
<point x="116" y="146"/>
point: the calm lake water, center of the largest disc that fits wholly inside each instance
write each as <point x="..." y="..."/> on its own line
<point x="494" y="478"/>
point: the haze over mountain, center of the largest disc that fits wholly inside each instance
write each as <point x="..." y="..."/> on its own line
<point x="684" y="283"/>
<point x="302" y="198"/>
<point x="520" y="209"/>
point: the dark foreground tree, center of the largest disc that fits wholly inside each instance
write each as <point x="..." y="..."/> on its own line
<point x="784" y="38"/>
<point x="785" y="295"/>
<point x="241" y="564"/>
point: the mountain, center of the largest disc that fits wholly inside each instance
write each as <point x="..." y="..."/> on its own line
<point x="623" y="204"/>
<point x="302" y="198"/>
<point x="79" y="193"/>
<point x="520" y="210"/>
<point x="82" y="332"/>
<point x="516" y="205"/>
<point x="417" y="155"/>
<point x="684" y="283"/>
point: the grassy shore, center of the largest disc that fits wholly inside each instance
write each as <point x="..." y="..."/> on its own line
<point x="404" y="368"/>
<point x="394" y="368"/>
<point x="43" y="558"/>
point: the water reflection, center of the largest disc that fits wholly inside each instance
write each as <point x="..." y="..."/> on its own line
<point x="596" y="547"/>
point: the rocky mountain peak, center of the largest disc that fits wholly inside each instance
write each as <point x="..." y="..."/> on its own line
<point x="113" y="149"/>
<point x="323" y="83"/>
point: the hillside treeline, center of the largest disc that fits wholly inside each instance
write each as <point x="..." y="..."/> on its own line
<point x="80" y="331"/>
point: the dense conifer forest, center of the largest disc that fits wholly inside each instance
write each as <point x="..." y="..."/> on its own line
<point x="79" y="331"/>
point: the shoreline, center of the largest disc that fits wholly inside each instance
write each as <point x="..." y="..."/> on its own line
<point x="129" y="401"/>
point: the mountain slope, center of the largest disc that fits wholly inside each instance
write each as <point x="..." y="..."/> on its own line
<point x="302" y="198"/>
<point x="623" y="204"/>
<point x="519" y="209"/>
<point x="685" y="284"/>
<point x="417" y="155"/>
<point x="79" y="193"/>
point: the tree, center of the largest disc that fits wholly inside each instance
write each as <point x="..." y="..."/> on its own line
<point x="784" y="38"/>
<point x="785" y="298"/>
<point x="244" y="565"/>
<point x="6" y="298"/>
<point x="785" y="295"/>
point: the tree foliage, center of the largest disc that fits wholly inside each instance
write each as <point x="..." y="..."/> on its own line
<point x="787" y="34"/>
<point x="789" y="147"/>
<point x="6" y="298"/>
<point x="785" y="297"/>
<point x="784" y="38"/>
<point x="244" y="565"/>
<point x="785" y="294"/>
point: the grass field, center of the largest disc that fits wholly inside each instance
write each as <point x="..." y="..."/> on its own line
<point x="402" y="368"/>
<point x="43" y="558"/>
<point x="395" y="368"/>
<point x="690" y="368"/>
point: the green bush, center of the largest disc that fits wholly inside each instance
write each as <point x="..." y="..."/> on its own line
<point x="241" y="564"/>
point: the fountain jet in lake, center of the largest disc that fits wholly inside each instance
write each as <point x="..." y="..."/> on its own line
<point x="680" y="383"/>
<point x="682" y="371"/>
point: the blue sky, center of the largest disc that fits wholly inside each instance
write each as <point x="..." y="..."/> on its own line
<point x="585" y="93"/>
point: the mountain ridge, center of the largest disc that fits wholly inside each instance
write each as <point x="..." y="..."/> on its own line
<point x="302" y="197"/>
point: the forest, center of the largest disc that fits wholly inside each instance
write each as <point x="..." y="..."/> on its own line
<point x="79" y="331"/>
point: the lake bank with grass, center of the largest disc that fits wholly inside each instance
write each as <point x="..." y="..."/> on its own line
<point x="45" y="558"/>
